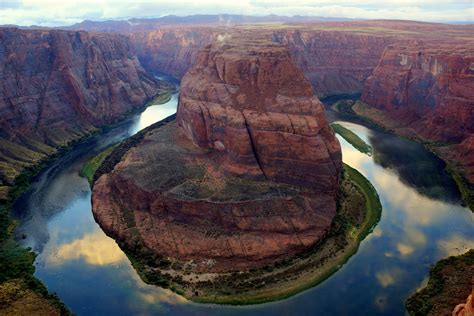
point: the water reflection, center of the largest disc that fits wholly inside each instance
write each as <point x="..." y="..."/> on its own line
<point x="414" y="165"/>
<point x="92" y="276"/>
<point x="94" y="249"/>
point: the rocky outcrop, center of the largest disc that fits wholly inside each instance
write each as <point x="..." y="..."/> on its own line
<point x="57" y="86"/>
<point x="256" y="107"/>
<point x="426" y="90"/>
<point x="334" y="62"/>
<point x="247" y="175"/>
<point x="450" y="282"/>
<point x="171" y="51"/>
<point x="465" y="309"/>
<point x="428" y="86"/>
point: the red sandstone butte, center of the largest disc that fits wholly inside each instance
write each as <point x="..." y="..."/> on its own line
<point x="246" y="176"/>
<point x="254" y="105"/>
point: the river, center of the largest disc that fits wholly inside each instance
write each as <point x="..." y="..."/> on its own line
<point x="422" y="222"/>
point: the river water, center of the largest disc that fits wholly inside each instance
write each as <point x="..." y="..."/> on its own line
<point x="422" y="222"/>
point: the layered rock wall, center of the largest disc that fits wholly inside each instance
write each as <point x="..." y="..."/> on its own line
<point x="429" y="85"/>
<point x="334" y="62"/>
<point x="428" y="89"/>
<point x="56" y="86"/>
<point x="171" y="51"/>
<point x="254" y="105"/>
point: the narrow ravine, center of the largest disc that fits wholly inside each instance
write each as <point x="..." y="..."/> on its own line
<point x="422" y="221"/>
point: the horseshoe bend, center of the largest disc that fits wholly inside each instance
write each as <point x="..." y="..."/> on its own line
<point x="242" y="196"/>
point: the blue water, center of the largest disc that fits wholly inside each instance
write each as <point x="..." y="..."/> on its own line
<point x="422" y="222"/>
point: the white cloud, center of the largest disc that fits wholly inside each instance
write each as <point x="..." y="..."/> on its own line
<point x="62" y="12"/>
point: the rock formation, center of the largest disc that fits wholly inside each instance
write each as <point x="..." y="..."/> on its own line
<point x="246" y="177"/>
<point x="465" y="309"/>
<point x="429" y="86"/>
<point x="426" y="89"/>
<point x="255" y="106"/>
<point x="171" y="51"/>
<point x="57" y="86"/>
<point x="334" y="62"/>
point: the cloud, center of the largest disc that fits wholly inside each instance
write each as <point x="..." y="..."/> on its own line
<point x="63" y="12"/>
<point x="95" y="249"/>
<point x="455" y="245"/>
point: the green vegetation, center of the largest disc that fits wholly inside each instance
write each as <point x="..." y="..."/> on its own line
<point x="94" y="163"/>
<point x="16" y="263"/>
<point x="109" y="161"/>
<point x="353" y="139"/>
<point x="377" y="119"/>
<point x="466" y="188"/>
<point x="358" y="212"/>
<point x="449" y="284"/>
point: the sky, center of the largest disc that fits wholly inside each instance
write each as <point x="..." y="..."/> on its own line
<point x="66" y="12"/>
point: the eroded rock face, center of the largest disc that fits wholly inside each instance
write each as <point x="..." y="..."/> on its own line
<point x="465" y="309"/>
<point x="60" y="85"/>
<point x="257" y="108"/>
<point x="248" y="177"/>
<point x="171" y="50"/>
<point x="334" y="62"/>
<point x="430" y="86"/>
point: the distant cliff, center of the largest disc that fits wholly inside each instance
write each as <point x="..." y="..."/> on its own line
<point x="429" y="85"/>
<point x="57" y="86"/>
<point x="171" y="51"/>
<point x="334" y="62"/>
<point x="425" y="89"/>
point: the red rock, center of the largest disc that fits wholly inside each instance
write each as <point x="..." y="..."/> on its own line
<point x="253" y="104"/>
<point x="335" y="62"/>
<point x="430" y="86"/>
<point x="59" y="85"/>
<point x="171" y="50"/>
<point x="465" y="309"/>
<point x="248" y="178"/>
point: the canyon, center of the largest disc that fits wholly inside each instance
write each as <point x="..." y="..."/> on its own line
<point x="419" y="75"/>
<point x="249" y="136"/>
<point x="248" y="173"/>
<point x="249" y="178"/>
<point x="58" y="86"/>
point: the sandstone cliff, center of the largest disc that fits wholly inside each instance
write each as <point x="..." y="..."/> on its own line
<point x="335" y="62"/>
<point x="248" y="177"/>
<point x="57" y="86"/>
<point x="429" y="86"/>
<point x="254" y="105"/>
<point x="171" y="51"/>
<point x="425" y="89"/>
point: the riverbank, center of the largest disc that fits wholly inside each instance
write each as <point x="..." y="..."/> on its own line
<point x="352" y="138"/>
<point x="359" y="210"/>
<point x="449" y="284"/>
<point x="377" y="119"/>
<point x="18" y="287"/>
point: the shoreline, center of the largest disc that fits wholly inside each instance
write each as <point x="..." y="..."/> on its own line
<point x="449" y="280"/>
<point x="292" y="275"/>
<point x="456" y="173"/>
<point x="371" y="218"/>
<point x="352" y="138"/>
<point x="16" y="262"/>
